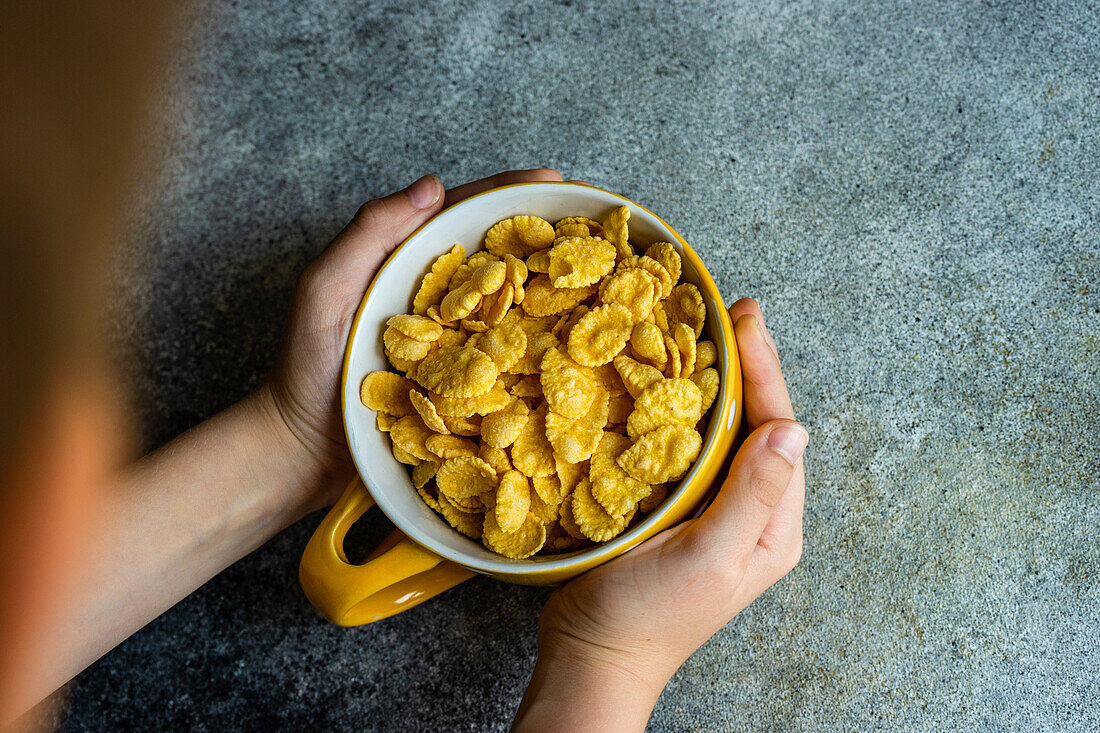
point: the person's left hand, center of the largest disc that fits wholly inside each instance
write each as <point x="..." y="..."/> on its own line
<point x="304" y="388"/>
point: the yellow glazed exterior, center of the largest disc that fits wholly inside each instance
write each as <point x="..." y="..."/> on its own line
<point x="401" y="572"/>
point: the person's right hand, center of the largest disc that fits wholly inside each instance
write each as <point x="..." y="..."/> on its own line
<point x="610" y="639"/>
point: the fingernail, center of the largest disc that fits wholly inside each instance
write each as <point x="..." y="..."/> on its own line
<point x="423" y="192"/>
<point x="789" y="441"/>
<point x="759" y="327"/>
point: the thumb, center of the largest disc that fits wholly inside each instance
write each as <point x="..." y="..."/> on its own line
<point x="357" y="252"/>
<point x="757" y="480"/>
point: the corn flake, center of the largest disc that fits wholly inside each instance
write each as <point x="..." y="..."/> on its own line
<point x="465" y="477"/>
<point x="653" y="267"/>
<point x="450" y="446"/>
<point x="387" y="392"/>
<point x="406" y="365"/>
<point x="600" y="335"/>
<point x="543" y="299"/>
<point x="664" y="454"/>
<point x="705" y="355"/>
<point x="503" y="427"/>
<point x="505" y="344"/>
<point x="435" y="284"/>
<point x="429" y="493"/>
<point x="397" y="345"/>
<point x="466" y="270"/>
<point x="519" y="236"/>
<point x="516" y="274"/>
<point x="667" y="402"/>
<point x="404" y="456"/>
<point x="575" y="439"/>
<point x="571" y="230"/>
<point x="549" y="489"/>
<point x="418" y="328"/>
<point x="648" y="344"/>
<point x="513" y="501"/>
<point x="473" y="326"/>
<point x="568" y="523"/>
<point x="579" y="261"/>
<point x="409" y="434"/>
<point x="539" y="262"/>
<point x="495" y="306"/>
<point x="666" y="254"/>
<point x="459" y="303"/>
<point x="660" y="317"/>
<point x="524" y="542"/>
<point x="707" y="381"/>
<point x="424" y="472"/>
<point x="466" y="426"/>
<point x="426" y="409"/>
<point x="636" y="376"/>
<point x="672" y="366"/>
<point x="635" y="289"/>
<point x="458" y="371"/>
<point x="495" y="457"/>
<point x="688" y="349"/>
<point x="615" y="231"/>
<point x="685" y="305"/>
<point x="617" y="491"/>
<point x="547" y="514"/>
<point x="577" y="226"/>
<point x="531" y="452"/>
<point x="592" y="519"/>
<point x="451" y="337"/>
<point x="464" y="300"/>
<point x="468" y="523"/>
<point x="566" y="386"/>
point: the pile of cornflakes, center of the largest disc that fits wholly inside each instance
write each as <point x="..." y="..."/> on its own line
<point x="549" y="387"/>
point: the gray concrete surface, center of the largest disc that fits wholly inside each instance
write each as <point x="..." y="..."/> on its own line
<point x="912" y="192"/>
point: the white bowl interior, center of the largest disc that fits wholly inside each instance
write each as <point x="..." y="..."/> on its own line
<point x="392" y="292"/>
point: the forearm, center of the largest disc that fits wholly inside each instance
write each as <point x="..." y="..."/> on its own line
<point x="571" y="692"/>
<point x="178" y="517"/>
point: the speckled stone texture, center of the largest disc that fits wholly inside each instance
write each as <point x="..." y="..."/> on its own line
<point x="911" y="192"/>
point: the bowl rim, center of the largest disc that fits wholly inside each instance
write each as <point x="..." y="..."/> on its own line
<point x="725" y="404"/>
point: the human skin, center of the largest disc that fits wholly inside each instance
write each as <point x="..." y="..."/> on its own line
<point x="169" y="522"/>
<point x="223" y="488"/>
<point x="610" y="640"/>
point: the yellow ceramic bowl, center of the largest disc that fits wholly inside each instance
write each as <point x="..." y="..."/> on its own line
<point x="425" y="556"/>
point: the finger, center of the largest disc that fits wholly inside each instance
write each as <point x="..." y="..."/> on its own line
<point x="784" y="529"/>
<point x="583" y="183"/>
<point x="374" y="233"/>
<point x="780" y="546"/>
<point x="456" y="194"/>
<point x="766" y="396"/>
<point x="748" y="306"/>
<point x="757" y="480"/>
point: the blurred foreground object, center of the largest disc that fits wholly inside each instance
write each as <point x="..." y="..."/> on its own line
<point x="74" y="78"/>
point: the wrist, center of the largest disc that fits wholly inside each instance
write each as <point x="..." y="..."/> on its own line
<point x="579" y="686"/>
<point x="315" y="479"/>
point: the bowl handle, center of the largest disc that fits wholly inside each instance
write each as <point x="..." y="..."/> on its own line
<point x="398" y="575"/>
